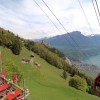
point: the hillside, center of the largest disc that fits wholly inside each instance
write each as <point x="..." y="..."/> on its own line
<point x="45" y="83"/>
<point x="88" y="44"/>
<point x="46" y="70"/>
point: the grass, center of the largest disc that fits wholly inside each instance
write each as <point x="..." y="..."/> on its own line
<point x="45" y="83"/>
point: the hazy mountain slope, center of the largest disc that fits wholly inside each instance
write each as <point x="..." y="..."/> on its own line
<point x="68" y="44"/>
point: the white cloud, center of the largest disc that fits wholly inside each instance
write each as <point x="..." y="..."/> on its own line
<point x="25" y="18"/>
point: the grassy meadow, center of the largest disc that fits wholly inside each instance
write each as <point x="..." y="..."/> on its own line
<point x="45" y="83"/>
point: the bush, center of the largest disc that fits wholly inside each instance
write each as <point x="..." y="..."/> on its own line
<point x="9" y="40"/>
<point x="49" y="56"/>
<point x="16" y="47"/>
<point x="29" y="45"/>
<point x="78" y="83"/>
<point x="64" y="74"/>
<point x="10" y="68"/>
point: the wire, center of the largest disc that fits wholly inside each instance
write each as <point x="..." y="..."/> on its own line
<point x="96" y="12"/>
<point x="97" y="7"/>
<point x="88" y="23"/>
<point x="85" y="16"/>
<point x="55" y="25"/>
<point x="65" y="29"/>
<point x="47" y="16"/>
<point x="60" y="23"/>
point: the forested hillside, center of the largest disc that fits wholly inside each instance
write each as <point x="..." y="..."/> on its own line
<point x="50" y="55"/>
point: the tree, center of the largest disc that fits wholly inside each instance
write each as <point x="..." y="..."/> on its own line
<point x="16" y="47"/>
<point x="29" y="45"/>
<point x="78" y="83"/>
<point x="64" y="74"/>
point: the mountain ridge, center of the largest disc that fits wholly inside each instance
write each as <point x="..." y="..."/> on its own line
<point x="70" y="44"/>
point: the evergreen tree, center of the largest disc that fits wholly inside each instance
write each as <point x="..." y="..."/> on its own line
<point x="16" y="47"/>
<point x="64" y="74"/>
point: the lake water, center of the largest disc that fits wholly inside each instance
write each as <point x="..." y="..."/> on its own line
<point x="95" y="60"/>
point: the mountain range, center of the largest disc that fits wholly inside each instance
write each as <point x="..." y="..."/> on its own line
<point x="75" y="45"/>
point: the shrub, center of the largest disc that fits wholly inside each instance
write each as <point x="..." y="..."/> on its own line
<point x="11" y="68"/>
<point x="78" y="83"/>
<point x="64" y="74"/>
<point x="16" y="47"/>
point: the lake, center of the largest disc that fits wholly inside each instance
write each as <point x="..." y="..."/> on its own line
<point x="95" y="60"/>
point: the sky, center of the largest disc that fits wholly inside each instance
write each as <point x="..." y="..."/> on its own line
<point x="25" y="18"/>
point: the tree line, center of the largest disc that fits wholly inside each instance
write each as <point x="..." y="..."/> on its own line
<point x="9" y="40"/>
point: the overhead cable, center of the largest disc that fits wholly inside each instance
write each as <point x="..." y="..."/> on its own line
<point x="55" y="25"/>
<point x="64" y="27"/>
<point x="96" y="13"/>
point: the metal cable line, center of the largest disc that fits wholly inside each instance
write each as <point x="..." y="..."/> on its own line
<point x="88" y="24"/>
<point x="56" y="26"/>
<point x="65" y="29"/>
<point x="47" y="16"/>
<point x="96" y="12"/>
<point x="85" y="16"/>
<point x="97" y="7"/>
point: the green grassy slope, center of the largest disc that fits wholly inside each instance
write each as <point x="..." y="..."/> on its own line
<point x="45" y="83"/>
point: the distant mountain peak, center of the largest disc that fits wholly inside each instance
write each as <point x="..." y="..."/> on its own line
<point x="76" y="33"/>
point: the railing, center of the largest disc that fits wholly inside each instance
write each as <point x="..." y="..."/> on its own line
<point x="26" y="92"/>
